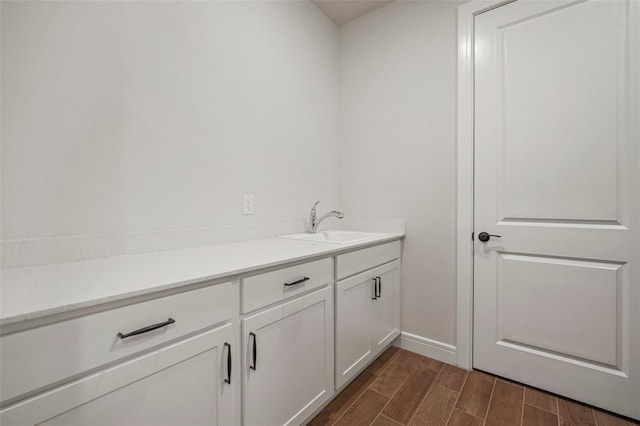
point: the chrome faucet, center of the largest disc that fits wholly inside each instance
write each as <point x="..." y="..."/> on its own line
<point x="313" y="222"/>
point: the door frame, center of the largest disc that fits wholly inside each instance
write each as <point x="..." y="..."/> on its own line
<point x="465" y="176"/>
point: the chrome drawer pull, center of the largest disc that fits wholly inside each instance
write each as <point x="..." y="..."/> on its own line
<point x="228" y="379"/>
<point x="375" y="288"/>
<point x="255" y="351"/>
<point x="147" y="328"/>
<point x="300" y="281"/>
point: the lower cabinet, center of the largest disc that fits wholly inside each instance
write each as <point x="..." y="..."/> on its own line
<point x="191" y="382"/>
<point x="367" y="318"/>
<point x="288" y="360"/>
<point x="205" y="364"/>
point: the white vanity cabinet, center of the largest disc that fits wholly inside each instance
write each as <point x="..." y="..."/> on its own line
<point x="367" y="307"/>
<point x="170" y="378"/>
<point x="267" y="348"/>
<point x="288" y="355"/>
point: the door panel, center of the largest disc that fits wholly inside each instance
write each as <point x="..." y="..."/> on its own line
<point x="293" y="372"/>
<point x="182" y="383"/>
<point x="560" y="66"/>
<point x="556" y="297"/>
<point x="152" y="400"/>
<point x="538" y="294"/>
<point x="386" y="312"/>
<point x="354" y="317"/>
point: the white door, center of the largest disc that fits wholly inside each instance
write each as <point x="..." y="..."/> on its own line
<point x="288" y="360"/>
<point x="557" y="296"/>
<point x="181" y="384"/>
<point x="354" y="324"/>
<point x="386" y="306"/>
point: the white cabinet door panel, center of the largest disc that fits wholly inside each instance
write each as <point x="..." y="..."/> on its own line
<point x="386" y="307"/>
<point x="354" y="321"/>
<point x="291" y="373"/>
<point x="183" y="384"/>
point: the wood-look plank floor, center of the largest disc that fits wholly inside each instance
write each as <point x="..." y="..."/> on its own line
<point x="403" y="388"/>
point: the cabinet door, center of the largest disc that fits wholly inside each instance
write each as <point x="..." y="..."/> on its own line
<point x="181" y="384"/>
<point x="354" y="325"/>
<point x="386" y="307"/>
<point x="288" y="360"/>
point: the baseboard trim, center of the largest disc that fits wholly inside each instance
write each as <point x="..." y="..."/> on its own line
<point x="427" y="347"/>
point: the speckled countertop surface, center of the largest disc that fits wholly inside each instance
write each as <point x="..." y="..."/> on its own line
<point x="38" y="291"/>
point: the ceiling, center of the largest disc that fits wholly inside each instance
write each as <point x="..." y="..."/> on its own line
<point x="342" y="11"/>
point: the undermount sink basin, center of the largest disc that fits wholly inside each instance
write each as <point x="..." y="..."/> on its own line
<point x="335" y="237"/>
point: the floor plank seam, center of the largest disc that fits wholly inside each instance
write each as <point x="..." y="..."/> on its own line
<point x="486" y="414"/>
<point x="389" y="362"/>
<point x="540" y="408"/>
<point x="455" y="403"/>
<point x="421" y="401"/>
<point x="383" y="407"/>
<point x="399" y="387"/>
<point x="352" y="404"/>
<point x="425" y="395"/>
<point x="375" y="391"/>
<point x="388" y="418"/>
<point x="394" y="394"/>
<point x="524" y="398"/>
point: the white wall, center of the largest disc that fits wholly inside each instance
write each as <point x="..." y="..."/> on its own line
<point x="134" y="116"/>
<point x="397" y="137"/>
<point x="119" y="117"/>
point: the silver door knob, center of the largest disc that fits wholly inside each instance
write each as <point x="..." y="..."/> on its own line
<point x="485" y="236"/>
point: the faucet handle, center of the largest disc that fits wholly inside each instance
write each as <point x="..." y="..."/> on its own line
<point x="314" y="205"/>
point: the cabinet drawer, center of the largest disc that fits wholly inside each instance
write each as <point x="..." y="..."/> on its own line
<point x="141" y="391"/>
<point x="271" y="287"/>
<point x="41" y="356"/>
<point x="357" y="261"/>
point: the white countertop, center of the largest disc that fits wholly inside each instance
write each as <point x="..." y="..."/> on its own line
<point x="39" y="291"/>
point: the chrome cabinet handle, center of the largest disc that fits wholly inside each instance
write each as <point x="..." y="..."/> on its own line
<point x="375" y="288"/>
<point x="228" y="379"/>
<point x="255" y="351"/>
<point x="300" y="281"/>
<point x="147" y="328"/>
